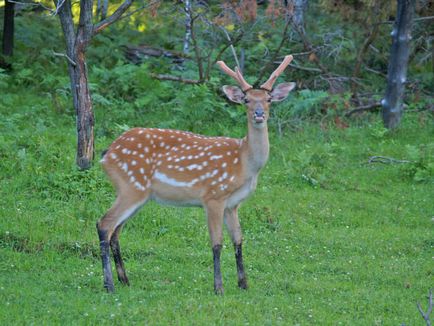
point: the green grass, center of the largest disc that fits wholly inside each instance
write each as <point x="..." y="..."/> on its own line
<point x="329" y="238"/>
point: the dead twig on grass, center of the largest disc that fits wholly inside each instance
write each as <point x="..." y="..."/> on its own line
<point x="385" y="160"/>
<point x="362" y="108"/>
<point x="426" y="316"/>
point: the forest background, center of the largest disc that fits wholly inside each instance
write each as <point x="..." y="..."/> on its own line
<point x="340" y="229"/>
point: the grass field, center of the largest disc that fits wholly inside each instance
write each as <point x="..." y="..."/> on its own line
<point x="329" y="239"/>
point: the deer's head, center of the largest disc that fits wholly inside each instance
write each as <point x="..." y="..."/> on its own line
<point x="257" y="100"/>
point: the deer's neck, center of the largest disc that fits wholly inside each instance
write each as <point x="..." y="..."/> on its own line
<point x="257" y="148"/>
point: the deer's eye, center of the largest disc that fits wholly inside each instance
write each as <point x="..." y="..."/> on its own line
<point x="269" y="100"/>
<point x="246" y="100"/>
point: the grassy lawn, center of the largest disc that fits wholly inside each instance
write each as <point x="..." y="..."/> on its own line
<point x="329" y="238"/>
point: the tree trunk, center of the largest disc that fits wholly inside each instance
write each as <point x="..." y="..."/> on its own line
<point x="187" y="36"/>
<point x="76" y="44"/>
<point x="101" y="9"/>
<point x="75" y="49"/>
<point x="398" y="62"/>
<point x="298" y="16"/>
<point x="8" y="28"/>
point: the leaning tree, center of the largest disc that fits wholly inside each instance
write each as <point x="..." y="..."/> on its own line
<point x="77" y="39"/>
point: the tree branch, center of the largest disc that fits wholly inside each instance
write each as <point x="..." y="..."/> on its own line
<point x="363" y="108"/>
<point x="175" y="78"/>
<point x="305" y="68"/>
<point x="65" y="56"/>
<point x="276" y="53"/>
<point x="112" y="18"/>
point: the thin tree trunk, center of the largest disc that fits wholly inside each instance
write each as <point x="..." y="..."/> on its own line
<point x="299" y="10"/>
<point x="101" y="9"/>
<point x="188" y="22"/>
<point x="8" y="28"/>
<point x="75" y="48"/>
<point x="76" y="44"/>
<point x="398" y="62"/>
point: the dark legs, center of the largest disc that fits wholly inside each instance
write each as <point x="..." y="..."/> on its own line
<point x="109" y="228"/>
<point x="242" y="280"/>
<point x="218" y="283"/>
<point x="233" y="225"/>
<point x="215" y="211"/>
<point x="105" y="258"/>
<point x="116" y="250"/>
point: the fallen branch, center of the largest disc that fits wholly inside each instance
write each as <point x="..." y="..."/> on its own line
<point x="175" y="78"/>
<point x="426" y="316"/>
<point x="385" y="160"/>
<point x="305" y="68"/>
<point x="362" y="108"/>
<point x="136" y="54"/>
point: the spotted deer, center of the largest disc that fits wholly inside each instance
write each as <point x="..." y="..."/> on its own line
<point x="184" y="169"/>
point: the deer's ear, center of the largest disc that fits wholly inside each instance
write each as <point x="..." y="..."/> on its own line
<point x="281" y="91"/>
<point x="234" y="94"/>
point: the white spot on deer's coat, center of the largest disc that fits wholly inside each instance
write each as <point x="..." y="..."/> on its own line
<point x="139" y="186"/>
<point x="194" y="166"/>
<point x="142" y="170"/>
<point x="173" y="182"/>
<point x="215" y="157"/>
<point x="125" y="167"/>
<point x="236" y="160"/>
<point x="113" y="156"/>
<point x="133" y="162"/>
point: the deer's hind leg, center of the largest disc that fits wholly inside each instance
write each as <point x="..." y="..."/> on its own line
<point x="116" y="251"/>
<point x="109" y="228"/>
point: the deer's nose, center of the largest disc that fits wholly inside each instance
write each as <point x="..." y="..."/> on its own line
<point x="259" y="113"/>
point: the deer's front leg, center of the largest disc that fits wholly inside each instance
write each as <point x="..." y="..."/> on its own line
<point x="234" y="228"/>
<point x="215" y="211"/>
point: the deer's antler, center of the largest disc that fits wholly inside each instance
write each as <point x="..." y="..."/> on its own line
<point x="268" y="85"/>
<point x="245" y="86"/>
